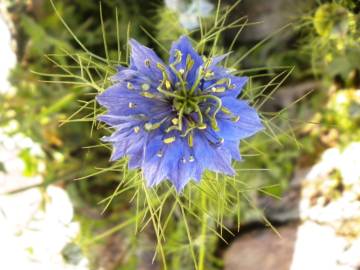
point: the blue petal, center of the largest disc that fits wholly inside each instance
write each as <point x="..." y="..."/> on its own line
<point x="217" y="59"/>
<point x="113" y="120"/>
<point x="126" y="142"/>
<point x="183" y="45"/>
<point x="153" y="165"/>
<point x="121" y="101"/>
<point x="248" y="124"/>
<point x="135" y="78"/>
<point x="145" y="60"/>
<point x="217" y="159"/>
<point x="175" y="163"/>
<point x="233" y="148"/>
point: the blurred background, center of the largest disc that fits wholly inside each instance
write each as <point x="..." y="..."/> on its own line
<point x="48" y="220"/>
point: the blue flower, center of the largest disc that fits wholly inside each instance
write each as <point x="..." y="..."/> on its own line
<point x="189" y="13"/>
<point x="176" y="121"/>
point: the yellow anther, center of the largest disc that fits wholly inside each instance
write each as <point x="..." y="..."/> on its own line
<point x="169" y="140"/>
<point x="189" y="62"/>
<point x="175" y="121"/>
<point x="147" y="62"/>
<point x="136" y="129"/>
<point x="161" y="67"/>
<point x="209" y="74"/>
<point x="223" y="81"/>
<point x="130" y="86"/>
<point x="181" y="71"/>
<point x="218" y="89"/>
<point x="225" y="110"/>
<point x="208" y="109"/>
<point x="147" y="95"/>
<point x="178" y="55"/>
<point x="235" y="119"/>
<point x="190" y="140"/>
<point x="167" y="84"/>
<point x="202" y="126"/>
<point x="145" y="86"/>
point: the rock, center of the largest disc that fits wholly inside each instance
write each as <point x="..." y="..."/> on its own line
<point x="35" y="234"/>
<point x="263" y="250"/>
<point x="324" y="202"/>
<point x="307" y="245"/>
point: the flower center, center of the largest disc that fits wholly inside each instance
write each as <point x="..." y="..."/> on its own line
<point x="195" y="107"/>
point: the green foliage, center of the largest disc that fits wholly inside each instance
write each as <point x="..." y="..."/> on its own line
<point x="55" y="106"/>
<point x="333" y="41"/>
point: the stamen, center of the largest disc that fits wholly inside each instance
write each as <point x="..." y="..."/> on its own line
<point x="197" y="81"/>
<point x="136" y="129"/>
<point x="218" y="89"/>
<point x="226" y="110"/>
<point x="178" y="56"/>
<point x="169" y="140"/>
<point x="180" y="77"/>
<point x="217" y="100"/>
<point x="165" y="76"/>
<point x="223" y="81"/>
<point x="209" y="74"/>
<point x="161" y="67"/>
<point x="167" y="84"/>
<point x="132" y="105"/>
<point x="191" y="158"/>
<point x="198" y="111"/>
<point x="181" y="113"/>
<point x="171" y="128"/>
<point x="183" y="160"/>
<point x="153" y="126"/>
<point x="175" y="121"/>
<point x="214" y="124"/>
<point x="181" y="71"/>
<point x="191" y="140"/>
<point x="235" y="119"/>
<point x="169" y="94"/>
<point x="130" y="86"/>
<point x="160" y="154"/>
<point x="149" y="126"/>
<point x="145" y="87"/>
<point x="147" y="62"/>
<point x="189" y="62"/>
<point x="147" y="95"/>
<point x="208" y="109"/>
<point x="202" y="126"/>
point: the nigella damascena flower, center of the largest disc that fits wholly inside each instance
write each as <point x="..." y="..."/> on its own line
<point x="189" y="13"/>
<point x="175" y="121"/>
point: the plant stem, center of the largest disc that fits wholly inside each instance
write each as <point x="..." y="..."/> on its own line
<point x="204" y="223"/>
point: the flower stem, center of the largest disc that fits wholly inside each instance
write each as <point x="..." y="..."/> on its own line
<point x="204" y="224"/>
